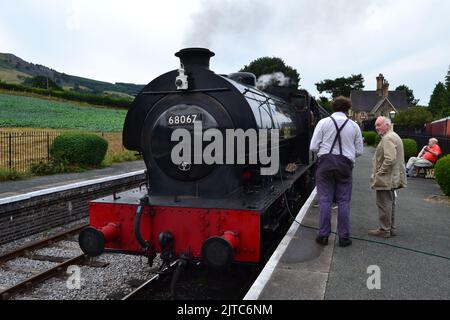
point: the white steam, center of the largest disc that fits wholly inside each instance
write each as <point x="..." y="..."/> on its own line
<point x="274" y="79"/>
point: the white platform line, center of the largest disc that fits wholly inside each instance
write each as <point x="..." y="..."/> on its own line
<point x="263" y="278"/>
<point x="30" y="195"/>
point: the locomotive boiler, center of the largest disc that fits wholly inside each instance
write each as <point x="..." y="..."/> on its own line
<point x="221" y="212"/>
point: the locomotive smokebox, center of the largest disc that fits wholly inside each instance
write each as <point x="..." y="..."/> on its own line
<point x="195" y="57"/>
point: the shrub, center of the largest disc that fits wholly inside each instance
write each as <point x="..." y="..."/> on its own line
<point x="122" y="156"/>
<point x="47" y="168"/>
<point x="410" y="148"/>
<point x="370" y="137"/>
<point x="6" y="175"/>
<point x="442" y="174"/>
<point x="78" y="148"/>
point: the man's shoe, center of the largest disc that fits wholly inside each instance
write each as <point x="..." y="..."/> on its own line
<point x="379" y="233"/>
<point x="322" y="240"/>
<point x="345" y="242"/>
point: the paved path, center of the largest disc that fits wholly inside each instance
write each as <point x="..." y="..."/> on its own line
<point x="306" y="270"/>
<point x="421" y="225"/>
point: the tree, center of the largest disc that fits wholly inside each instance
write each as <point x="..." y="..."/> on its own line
<point x="341" y="86"/>
<point x="42" y="83"/>
<point x="413" y="118"/>
<point x="439" y="104"/>
<point x="324" y="102"/>
<point x="409" y="95"/>
<point x="270" y="65"/>
<point x="447" y="80"/>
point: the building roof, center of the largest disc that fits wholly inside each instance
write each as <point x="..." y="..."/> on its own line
<point x="366" y="100"/>
<point x="380" y="103"/>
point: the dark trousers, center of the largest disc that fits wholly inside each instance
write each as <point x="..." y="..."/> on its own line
<point x="334" y="183"/>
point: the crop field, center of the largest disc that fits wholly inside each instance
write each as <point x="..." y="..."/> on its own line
<point x="28" y="126"/>
<point x="22" y="111"/>
<point x="19" y="148"/>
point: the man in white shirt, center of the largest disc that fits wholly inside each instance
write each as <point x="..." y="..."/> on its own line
<point x="337" y="141"/>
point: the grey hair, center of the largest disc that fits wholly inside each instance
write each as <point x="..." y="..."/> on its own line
<point x="434" y="140"/>
<point x="386" y="120"/>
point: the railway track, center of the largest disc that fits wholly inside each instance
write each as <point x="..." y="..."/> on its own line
<point x="41" y="243"/>
<point x="26" y="251"/>
<point x="139" y="291"/>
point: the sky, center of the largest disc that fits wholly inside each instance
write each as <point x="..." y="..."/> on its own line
<point x="134" y="41"/>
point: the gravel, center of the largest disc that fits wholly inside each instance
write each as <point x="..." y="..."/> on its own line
<point x="117" y="279"/>
<point x="97" y="283"/>
<point x="59" y="252"/>
<point x="10" y="246"/>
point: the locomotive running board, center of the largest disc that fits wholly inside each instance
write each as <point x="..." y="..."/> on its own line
<point x="258" y="201"/>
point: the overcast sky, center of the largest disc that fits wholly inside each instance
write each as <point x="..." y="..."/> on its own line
<point x="134" y="40"/>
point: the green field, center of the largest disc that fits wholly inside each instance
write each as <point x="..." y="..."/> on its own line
<point x="20" y="111"/>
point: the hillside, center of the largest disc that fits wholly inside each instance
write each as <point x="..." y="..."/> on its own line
<point x="15" y="70"/>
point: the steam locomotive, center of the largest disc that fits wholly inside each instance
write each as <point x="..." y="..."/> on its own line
<point x="218" y="213"/>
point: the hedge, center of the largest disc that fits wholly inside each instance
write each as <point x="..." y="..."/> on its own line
<point x="410" y="148"/>
<point x="442" y="174"/>
<point x="71" y="95"/>
<point x="79" y="148"/>
<point x="369" y="137"/>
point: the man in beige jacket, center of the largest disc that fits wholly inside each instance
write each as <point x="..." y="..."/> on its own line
<point x="388" y="174"/>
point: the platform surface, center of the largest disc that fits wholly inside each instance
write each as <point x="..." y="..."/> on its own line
<point x="15" y="188"/>
<point x="415" y="264"/>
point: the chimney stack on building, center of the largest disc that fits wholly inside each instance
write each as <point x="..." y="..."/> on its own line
<point x="385" y="89"/>
<point x="382" y="86"/>
<point x="380" y="80"/>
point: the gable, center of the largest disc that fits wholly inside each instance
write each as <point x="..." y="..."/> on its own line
<point x="383" y="107"/>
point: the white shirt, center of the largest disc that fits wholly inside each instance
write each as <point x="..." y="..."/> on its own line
<point x="325" y="133"/>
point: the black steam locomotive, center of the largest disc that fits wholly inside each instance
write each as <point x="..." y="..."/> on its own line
<point x="220" y="212"/>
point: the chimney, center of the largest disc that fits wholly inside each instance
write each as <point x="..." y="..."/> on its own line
<point x="380" y="80"/>
<point x="385" y="89"/>
<point x="194" y="57"/>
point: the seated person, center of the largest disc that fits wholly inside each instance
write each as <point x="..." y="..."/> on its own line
<point x="427" y="157"/>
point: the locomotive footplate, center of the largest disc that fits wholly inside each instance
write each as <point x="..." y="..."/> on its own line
<point x="257" y="201"/>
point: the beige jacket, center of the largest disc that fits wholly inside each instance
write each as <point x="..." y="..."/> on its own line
<point x="388" y="165"/>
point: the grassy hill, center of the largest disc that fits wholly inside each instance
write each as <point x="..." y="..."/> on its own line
<point x="15" y="70"/>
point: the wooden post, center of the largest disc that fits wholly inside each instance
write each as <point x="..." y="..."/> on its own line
<point x="10" y="152"/>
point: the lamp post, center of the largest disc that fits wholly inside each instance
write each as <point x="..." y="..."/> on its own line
<point x="392" y="114"/>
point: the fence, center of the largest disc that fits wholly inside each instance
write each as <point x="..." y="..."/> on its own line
<point x="18" y="150"/>
<point x="422" y="138"/>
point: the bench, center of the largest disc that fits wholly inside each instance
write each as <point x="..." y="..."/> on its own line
<point x="425" y="172"/>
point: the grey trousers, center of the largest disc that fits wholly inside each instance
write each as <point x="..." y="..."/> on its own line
<point x="414" y="162"/>
<point x="386" y="209"/>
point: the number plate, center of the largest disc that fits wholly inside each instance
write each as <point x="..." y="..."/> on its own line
<point x="182" y="119"/>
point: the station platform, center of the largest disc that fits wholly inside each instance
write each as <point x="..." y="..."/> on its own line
<point x="415" y="264"/>
<point x="19" y="187"/>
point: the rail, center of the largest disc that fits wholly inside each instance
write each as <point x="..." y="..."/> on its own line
<point x="29" y="283"/>
<point x="149" y="282"/>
